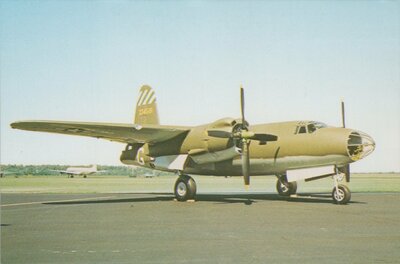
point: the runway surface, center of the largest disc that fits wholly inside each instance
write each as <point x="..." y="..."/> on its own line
<point x="216" y="228"/>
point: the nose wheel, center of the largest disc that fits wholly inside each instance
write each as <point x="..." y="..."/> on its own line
<point x="185" y="188"/>
<point x="341" y="193"/>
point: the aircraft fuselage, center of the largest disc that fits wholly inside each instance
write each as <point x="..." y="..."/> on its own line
<point x="300" y="144"/>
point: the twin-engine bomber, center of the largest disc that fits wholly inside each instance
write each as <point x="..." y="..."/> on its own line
<point x="292" y="151"/>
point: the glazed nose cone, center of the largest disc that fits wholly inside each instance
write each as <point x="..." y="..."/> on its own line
<point x="359" y="145"/>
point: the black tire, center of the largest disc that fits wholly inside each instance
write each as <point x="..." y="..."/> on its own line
<point x="285" y="188"/>
<point x="185" y="188"/>
<point x="343" y="196"/>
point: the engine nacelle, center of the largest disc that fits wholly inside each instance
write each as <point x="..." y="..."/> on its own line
<point x="136" y="153"/>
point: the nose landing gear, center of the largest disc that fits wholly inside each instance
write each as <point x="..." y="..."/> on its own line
<point x="341" y="193"/>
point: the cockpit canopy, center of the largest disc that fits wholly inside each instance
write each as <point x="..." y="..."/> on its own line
<point x="309" y="127"/>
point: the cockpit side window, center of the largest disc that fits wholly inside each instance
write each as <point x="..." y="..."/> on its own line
<point x="311" y="128"/>
<point x="314" y="126"/>
<point x="302" y="130"/>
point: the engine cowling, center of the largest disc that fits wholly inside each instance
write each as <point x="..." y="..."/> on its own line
<point x="136" y="153"/>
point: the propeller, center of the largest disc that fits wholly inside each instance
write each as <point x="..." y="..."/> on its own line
<point x="345" y="169"/>
<point x="242" y="106"/>
<point x="245" y="162"/>
<point x="245" y="136"/>
<point x="241" y="134"/>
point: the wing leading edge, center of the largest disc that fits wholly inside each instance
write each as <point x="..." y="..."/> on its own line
<point x="124" y="133"/>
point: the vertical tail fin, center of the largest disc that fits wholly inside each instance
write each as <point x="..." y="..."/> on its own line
<point x="146" y="107"/>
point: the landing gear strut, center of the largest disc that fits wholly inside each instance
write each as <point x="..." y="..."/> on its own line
<point x="284" y="187"/>
<point x="341" y="193"/>
<point x="185" y="188"/>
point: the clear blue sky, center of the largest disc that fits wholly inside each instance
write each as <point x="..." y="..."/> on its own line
<point x="85" y="61"/>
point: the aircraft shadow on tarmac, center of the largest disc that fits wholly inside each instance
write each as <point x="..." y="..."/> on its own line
<point x="247" y="199"/>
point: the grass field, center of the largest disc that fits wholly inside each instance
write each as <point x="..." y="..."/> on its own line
<point x="116" y="184"/>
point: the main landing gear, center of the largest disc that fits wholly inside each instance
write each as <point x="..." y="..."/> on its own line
<point x="284" y="187"/>
<point x="185" y="188"/>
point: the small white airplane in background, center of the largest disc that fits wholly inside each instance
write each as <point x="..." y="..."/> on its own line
<point x="83" y="171"/>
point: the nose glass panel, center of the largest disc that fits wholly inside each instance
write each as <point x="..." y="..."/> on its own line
<point x="359" y="145"/>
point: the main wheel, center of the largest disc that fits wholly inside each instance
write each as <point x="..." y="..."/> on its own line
<point x="341" y="195"/>
<point x="185" y="188"/>
<point x="285" y="188"/>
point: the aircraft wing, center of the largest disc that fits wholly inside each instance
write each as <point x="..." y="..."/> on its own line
<point x="124" y="133"/>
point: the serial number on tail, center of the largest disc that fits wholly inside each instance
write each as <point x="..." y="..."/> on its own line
<point x="145" y="111"/>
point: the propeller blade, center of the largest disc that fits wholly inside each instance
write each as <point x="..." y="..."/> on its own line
<point x="245" y="162"/>
<point x="242" y="106"/>
<point x="219" y="134"/>
<point x="343" y="116"/>
<point x="264" y="137"/>
<point x="346" y="169"/>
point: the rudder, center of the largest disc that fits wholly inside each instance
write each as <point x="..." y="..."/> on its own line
<point x="146" y="107"/>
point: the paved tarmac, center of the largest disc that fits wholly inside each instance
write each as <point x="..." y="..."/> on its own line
<point x="217" y="228"/>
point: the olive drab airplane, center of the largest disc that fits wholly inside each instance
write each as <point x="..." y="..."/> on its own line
<point x="292" y="151"/>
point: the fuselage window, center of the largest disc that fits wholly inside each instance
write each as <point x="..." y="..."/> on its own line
<point x="302" y="130"/>
<point x="311" y="128"/>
